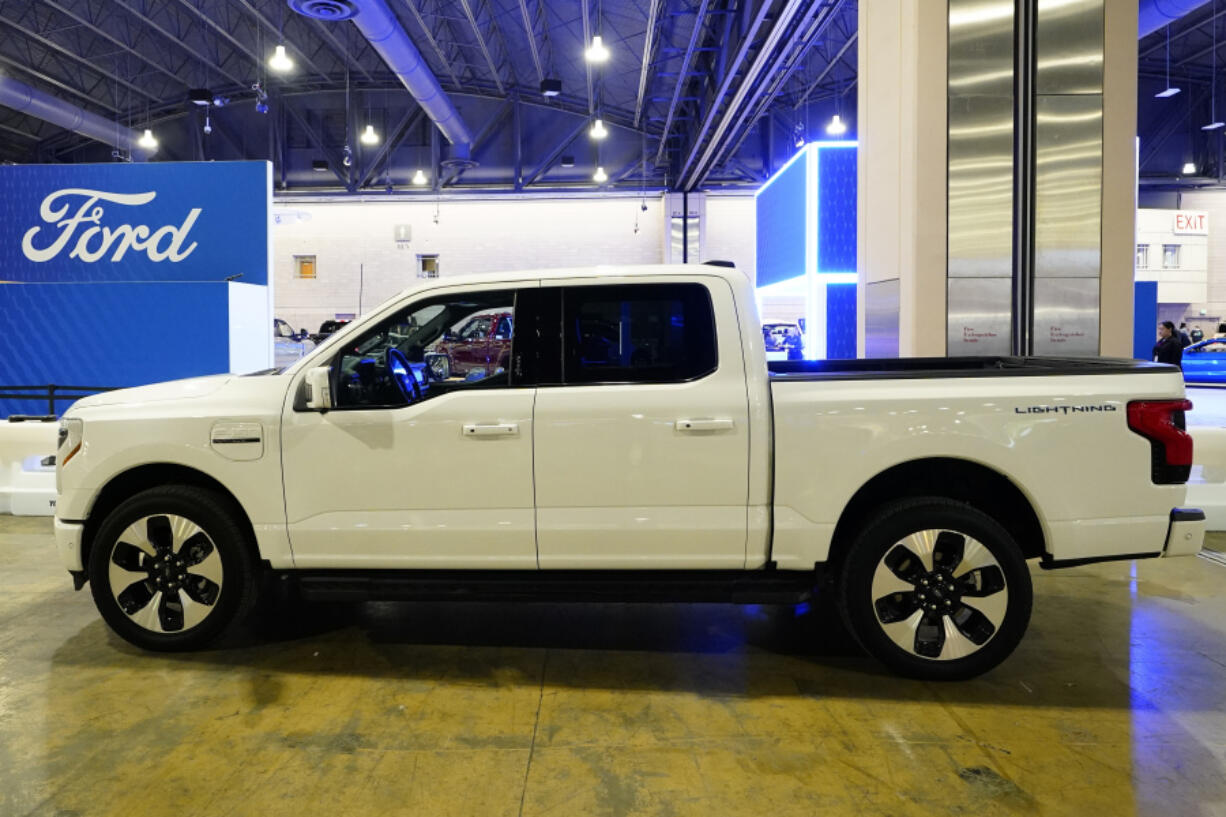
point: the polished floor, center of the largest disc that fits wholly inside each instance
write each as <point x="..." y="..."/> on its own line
<point x="1114" y="705"/>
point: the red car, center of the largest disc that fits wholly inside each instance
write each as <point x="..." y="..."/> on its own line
<point x="481" y="343"/>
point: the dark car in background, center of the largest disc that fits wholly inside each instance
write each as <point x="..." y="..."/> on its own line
<point x="327" y="329"/>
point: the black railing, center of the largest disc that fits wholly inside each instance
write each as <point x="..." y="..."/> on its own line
<point x="51" y="392"/>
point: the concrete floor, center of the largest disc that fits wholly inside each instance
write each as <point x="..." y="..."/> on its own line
<point x="1115" y="704"/>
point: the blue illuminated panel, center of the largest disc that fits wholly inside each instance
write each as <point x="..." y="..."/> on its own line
<point x="836" y="211"/>
<point x="806" y="241"/>
<point x="781" y="224"/>
<point x="840" y="321"/>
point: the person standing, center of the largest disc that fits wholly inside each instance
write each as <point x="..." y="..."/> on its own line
<point x="1184" y="340"/>
<point x="1168" y="349"/>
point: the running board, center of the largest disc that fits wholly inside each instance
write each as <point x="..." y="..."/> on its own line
<point x="719" y="586"/>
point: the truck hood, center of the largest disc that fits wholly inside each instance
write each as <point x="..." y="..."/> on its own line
<point x="157" y="392"/>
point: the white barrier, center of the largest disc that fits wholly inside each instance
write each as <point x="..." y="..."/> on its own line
<point x="27" y="488"/>
<point x="1207" y="485"/>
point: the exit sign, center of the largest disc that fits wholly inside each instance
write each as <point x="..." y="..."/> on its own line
<point x="1191" y="223"/>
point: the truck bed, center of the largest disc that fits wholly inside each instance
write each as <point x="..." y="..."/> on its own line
<point x="904" y="368"/>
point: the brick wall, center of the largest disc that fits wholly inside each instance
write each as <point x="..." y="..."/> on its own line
<point x="355" y="247"/>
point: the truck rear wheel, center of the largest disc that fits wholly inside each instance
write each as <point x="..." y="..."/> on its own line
<point x="936" y="590"/>
<point x="171" y="568"/>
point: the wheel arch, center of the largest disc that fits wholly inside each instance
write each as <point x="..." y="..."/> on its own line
<point x="127" y="484"/>
<point x="962" y="480"/>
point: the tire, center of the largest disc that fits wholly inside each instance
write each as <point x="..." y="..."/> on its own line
<point x="182" y="602"/>
<point x="935" y="590"/>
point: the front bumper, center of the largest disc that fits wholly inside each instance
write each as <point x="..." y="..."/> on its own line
<point x="1186" y="535"/>
<point x="68" y="537"/>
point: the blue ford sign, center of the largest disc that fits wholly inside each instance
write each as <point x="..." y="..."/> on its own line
<point x="160" y="221"/>
<point x="126" y="274"/>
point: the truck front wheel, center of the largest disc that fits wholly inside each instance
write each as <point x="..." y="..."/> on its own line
<point x="935" y="589"/>
<point x="172" y="567"/>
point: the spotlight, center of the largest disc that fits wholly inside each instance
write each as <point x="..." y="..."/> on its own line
<point x="836" y="127"/>
<point x="280" y="61"/>
<point x="1189" y="169"/>
<point x="369" y="137"/>
<point x="419" y="179"/>
<point x="208" y="125"/>
<point x="600" y="177"/>
<point x="596" y="52"/>
<point x="598" y="130"/>
<point x="147" y="141"/>
<point x="219" y="100"/>
<point x="261" y="106"/>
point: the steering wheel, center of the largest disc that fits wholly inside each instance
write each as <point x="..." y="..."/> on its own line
<point x="402" y="374"/>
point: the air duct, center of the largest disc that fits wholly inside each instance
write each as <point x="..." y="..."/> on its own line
<point x="32" y="102"/>
<point x="380" y="26"/>
<point x="1154" y="14"/>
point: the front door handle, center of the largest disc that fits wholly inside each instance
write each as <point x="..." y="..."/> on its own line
<point x="494" y="430"/>
<point x="705" y="424"/>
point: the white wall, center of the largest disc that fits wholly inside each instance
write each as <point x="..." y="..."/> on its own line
<point x="1187" y="283"/>
<point x="355" y="246"/>
<point x="1214" y="305"/>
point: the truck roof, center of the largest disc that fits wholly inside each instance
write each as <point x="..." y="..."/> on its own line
<point x="730" y="274"/>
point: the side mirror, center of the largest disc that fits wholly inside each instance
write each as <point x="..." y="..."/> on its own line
<point x="319" y="389"/>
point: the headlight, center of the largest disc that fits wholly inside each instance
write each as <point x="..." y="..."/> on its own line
<point x="71" y="433"/>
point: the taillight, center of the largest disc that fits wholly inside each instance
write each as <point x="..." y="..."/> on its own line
<point x="1162" y="422"/>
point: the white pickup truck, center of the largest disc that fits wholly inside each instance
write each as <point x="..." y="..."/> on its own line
<point x="638" y="447"/>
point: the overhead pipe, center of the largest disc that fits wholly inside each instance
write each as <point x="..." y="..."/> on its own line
<point x="33" y="102"/>
<point x="1154" y="14"/>
<point x="382" y="29"/>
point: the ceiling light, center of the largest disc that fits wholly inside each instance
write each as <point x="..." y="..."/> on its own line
<point x="1214" y="126"/>
<point x="837" y="126"/>
<point x="319" y="165"/>
<point x="597" y="52"/>
<point x="200" y="96"/>
<point x="598" y="130"/>
<point x="419" y="178"/>
<point x="551" y="87"/>
<point x="600" y="177"/>
<point x="147" y="141"/>
<point x="568" y="161"/>
<point x="280" y="61"/>
<point x="1189" y="169"/>
<point x="1170" y="89"/>
<point x="369" y="137"/>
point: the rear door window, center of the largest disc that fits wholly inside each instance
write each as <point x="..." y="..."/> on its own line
<point x="637" y="333"/>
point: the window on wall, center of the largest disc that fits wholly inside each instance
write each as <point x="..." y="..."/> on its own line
<point x="1142" y="256"/>
<point x="1170" y="256"/>
<point x="427" y="266"/>
<point x="304" y="266"/>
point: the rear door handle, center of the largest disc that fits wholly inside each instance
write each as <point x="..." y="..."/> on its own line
<point x="494" y="430"/>
<point x="706" y="424"/>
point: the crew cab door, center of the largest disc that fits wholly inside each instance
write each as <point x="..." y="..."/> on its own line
<point x="642" y="428"/>
<point x="436" y="474"/>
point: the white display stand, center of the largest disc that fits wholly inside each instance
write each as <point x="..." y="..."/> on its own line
<point x="27" y="488"/>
